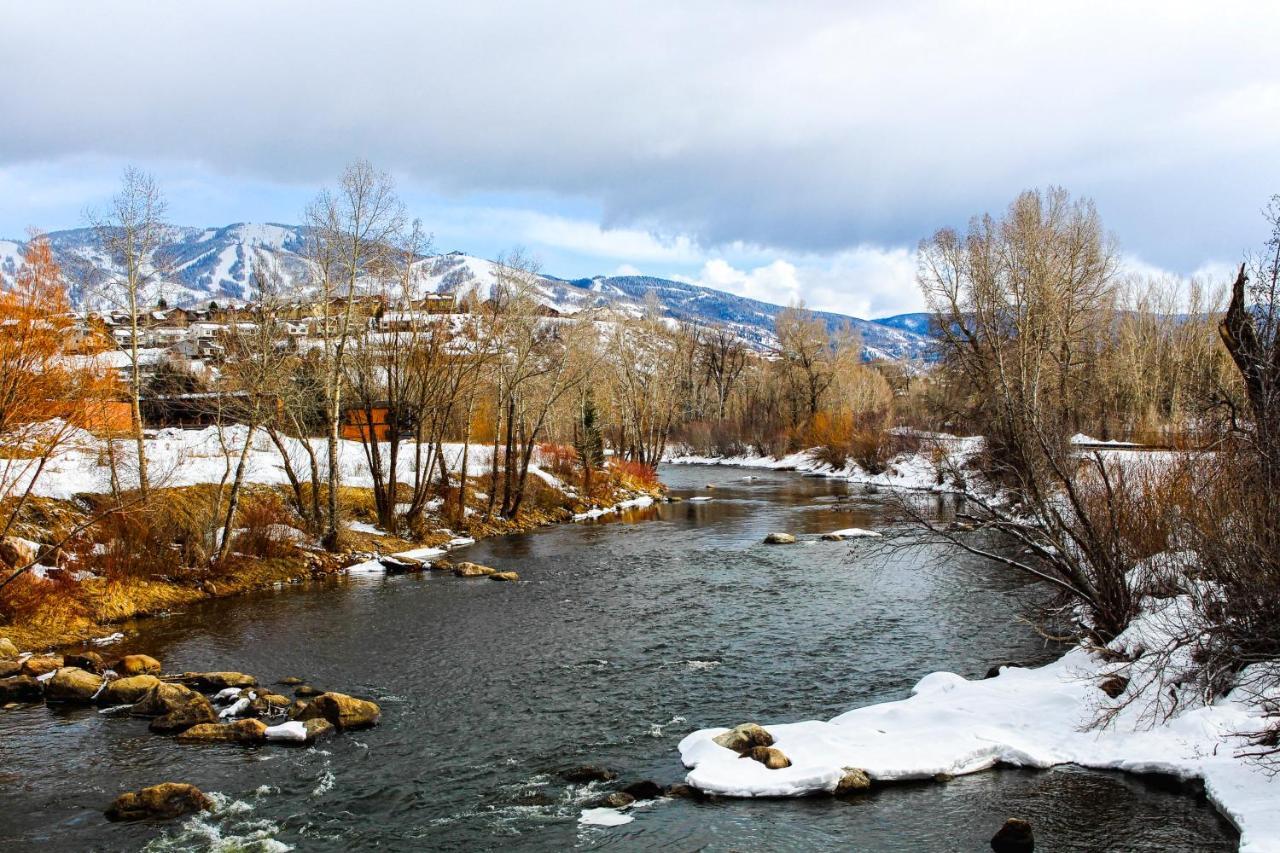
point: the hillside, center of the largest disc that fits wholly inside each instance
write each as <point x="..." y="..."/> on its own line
<point x="215" y="264"/>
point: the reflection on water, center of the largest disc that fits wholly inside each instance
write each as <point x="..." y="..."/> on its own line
<point x="624" y="635"/>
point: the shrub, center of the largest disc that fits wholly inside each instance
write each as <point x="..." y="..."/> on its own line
<point x="263" y="523"/>
<point x="559" y="459"/>
<point x="634" y="475"/>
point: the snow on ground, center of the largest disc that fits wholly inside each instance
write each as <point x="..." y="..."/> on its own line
<point x="1023" y="717"/>
<point x="181" y="457"/>
<point x="917" y="470"/>
<point x="643" y="500"/>
<point x="855" y="533"/>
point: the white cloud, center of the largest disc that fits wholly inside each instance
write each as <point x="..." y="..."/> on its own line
<point x="810" y="126"/>
<point x="867" y="281"/>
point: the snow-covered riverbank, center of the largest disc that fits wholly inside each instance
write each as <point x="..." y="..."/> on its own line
<point x="926" y="469"/>
<point x="1038" y="718"/>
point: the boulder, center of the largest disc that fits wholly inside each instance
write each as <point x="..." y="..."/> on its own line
<point x="9" y="668"/>
<point x="174" y="707"/>
<point x="296" y="708"/>
<point x="770" y="756"/>
<point x="269" y="705"/>
<point x="1014" y="837"/>
<point x="164" y="697"/>
<point x="211" y="682"/>
<point x="137" y="665"/>
<point x="182" y="719"/>
<point x="345" y="712"/>
<point x="241" y="731"/>
<point x="616" y="800"/>
<point x="504" y="576"/>
<point x="71" y="684"/>
<point x="306" y="690"/>
<point x="159" y="802"/>
<point x="854" y="781"/>
<point x="400" y="565"/>
<point x="290" y="681"/>
<point x="779" y="539"/>
<point x="742" y="739"/>
<point x="587" y="773"/>
<point x="643" y="790"/>
<point x="127" y="691"/>
<point x="684" y="792"/>
<point x="8" y="651"/>
<point x="20" y="688"/>
<point x="88" y="661"/>
<point x="17" y="552"/>
<point x="442" y="565"/>
<point x="41" y="665"/>
<point x="471" y="570"/>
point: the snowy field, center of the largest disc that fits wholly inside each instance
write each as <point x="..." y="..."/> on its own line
<point x="180" y="457"/>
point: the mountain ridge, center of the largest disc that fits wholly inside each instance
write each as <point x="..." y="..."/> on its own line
<point x="214" y="264"/>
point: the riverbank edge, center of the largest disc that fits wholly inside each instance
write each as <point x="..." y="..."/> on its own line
<point x="1242" y="792"/>
<point x="134" y="599"/>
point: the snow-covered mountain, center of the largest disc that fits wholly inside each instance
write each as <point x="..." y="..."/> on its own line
<point x="204" y="265"/>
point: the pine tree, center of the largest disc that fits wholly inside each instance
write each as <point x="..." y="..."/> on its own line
<point x="589" y="443"/>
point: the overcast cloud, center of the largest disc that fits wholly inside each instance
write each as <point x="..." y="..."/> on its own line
<point x="781" y="150"/>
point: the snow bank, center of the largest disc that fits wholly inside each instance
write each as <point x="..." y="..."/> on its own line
<point x="855" y="533"/>
<point x="633" y="503"/>
<point x="917" y="471"/>
<point x="1023" y="717"/>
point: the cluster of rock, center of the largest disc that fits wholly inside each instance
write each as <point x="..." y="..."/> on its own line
<point x="465" y="569"/>
<point x="196" y="707"/>
<point x="398" y="564"/>
<point x="629" y="794"/>
<point x="753" y="741"/>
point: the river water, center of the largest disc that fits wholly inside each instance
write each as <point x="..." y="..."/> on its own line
<point x="623" y="636"/>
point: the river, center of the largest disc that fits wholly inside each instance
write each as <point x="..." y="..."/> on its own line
<point x="624" y="635"/>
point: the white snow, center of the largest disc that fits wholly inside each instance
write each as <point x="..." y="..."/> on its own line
<point x="855" y="533"/>
<point x="604" y="817"/>
<point x="293" y="730"/>
<point x="643" y="500"/>
<point x="1023" y="717"/>
<point x="916" y="471"/>
<point x="700" y="499"/>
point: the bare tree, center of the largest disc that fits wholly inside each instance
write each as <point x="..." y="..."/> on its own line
<point x="130" y="233"/>
<point x="351" y="230"/>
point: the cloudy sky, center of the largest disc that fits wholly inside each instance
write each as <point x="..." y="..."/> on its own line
<point x="778" y="150"/>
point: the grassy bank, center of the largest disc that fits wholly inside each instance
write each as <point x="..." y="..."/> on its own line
<point x="145" y="562"/>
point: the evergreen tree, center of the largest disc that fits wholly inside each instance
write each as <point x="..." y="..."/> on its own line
<point x="589" y="443"/>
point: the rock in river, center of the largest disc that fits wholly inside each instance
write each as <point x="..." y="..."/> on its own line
<point x="616" y="800"/>
<point x="770" y="756"/>
<point x="504" y="576"/>
<point x="88" y="661"/>
<point x="8" y="651"/>
<point x="345" y="712"/>
<point x="41" y="665"/>
<point x="779" y="539"/>
<point x="175" y="707"/>
<point x="19" y="688"/>
<point x="854" y="781"/>
<point x="127" y="691"/>
<point x="214" y="681"/>
<point x="742" y="739"/>
<point x="241" y="731"/>
<point x="1014" y="837"/>
<point x="137" y="665"/>
<point x="70" y="684"/>
<point x="472" y="570"/>
<point x="587" y="773"/>
<point x="643" y="790"/>
<point x="159" y="802"/>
